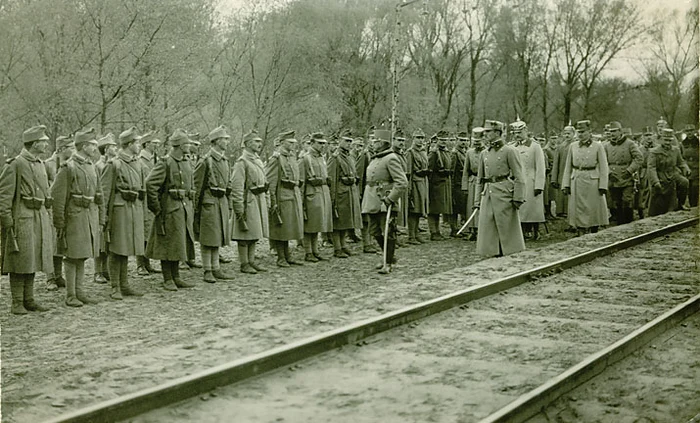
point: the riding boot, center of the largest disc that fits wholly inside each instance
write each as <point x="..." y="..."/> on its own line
<point x="124" y="279"/>
<point x="167" y="269"/>
<point x="281" y="258"/>
<point x="58" y="278"/>
<point x="79" y="279"/>
<point x="71" y="297"/>
<point x="17" y="290"/>
<point x="251" y="257"/>
<point x="367" y="246"/>
<point x="114" y="276"/>
<point x="29" y="302"/>
<point x="535" y="231"/>
<point x="175" y="273"/>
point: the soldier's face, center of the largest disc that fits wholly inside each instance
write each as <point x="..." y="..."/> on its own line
<point x="319" y="146"/>
<point x="399" y="143"/>
<point x="186" y="148"/>
<point x="90" y="149"/>
<point x="442" y="143"/>
<point x="255" y="145"/>
<point x="667" y="141"/>
<point x="345" y="144"/>
<point x="111" y="151"/>
<point x="584" y="134"/>
<point x="40" y="147"/>
<point x="418" y="143"/>
<point x="66" y="152"/>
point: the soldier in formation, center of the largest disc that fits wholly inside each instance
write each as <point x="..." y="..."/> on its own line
<point x="439" y="185"/>
<point x="316" y="196"/>
<point x="459" y="196"/>
<point x="532" y="158"/>
<point x="148" y="157"/>
<point x="345" y="196"/>
<point x="417" y="173"/>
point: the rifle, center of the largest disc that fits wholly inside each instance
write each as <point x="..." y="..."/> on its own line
<point x="110" y="203"/>
<point x="242" y="221"/>
<point x="163" y="198"/>
<point x="274" y="208"/>
<point x="200" y="197"/>
<point x="13" y="247"/>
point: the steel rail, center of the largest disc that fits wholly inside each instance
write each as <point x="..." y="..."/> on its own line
<point x="531" y="403"/>
<point x="182" y="388"/>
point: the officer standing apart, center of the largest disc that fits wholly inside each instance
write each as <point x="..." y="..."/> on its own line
<point x="78" y="215"/>
<point x="248" y="194"/>
<point x="347" y="216"/>
<point x="27" y="237"/>
<point x="624" y="161"/>
<point x="500" y="191"/>
<point x="124" y="192"/>
<point x="585" y="181"/>
<point x="562" y="150"/>
<point x="386" y="182"/>
<point x="285" y="214"/>
<point x="169" y="194"/>
<point x="64" y="150"/>
<point x="148" y="158"/>
<point x="665" y="168"/>
<point x="417" y="171"/>
<point x="318" y="213"/>
<point x="459" y="193"/>
<point x="531" y="213"/>
<point x="212" y="180"/>
<point x="440" y="185"/>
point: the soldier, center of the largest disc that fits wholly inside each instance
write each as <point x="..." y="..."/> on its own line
<point x="459" y="197"/>
<point x="318" y="212"/>
<point x="665" y="167"/>
<point x="286" y="218"/>
<point x="212" y="180"/>
<point x="386" y="181"/>
<point x="642" y="191"/>
<point x="107" y="149"/>
<point x="148" y="158"/>
<point x="502" y="191"/>
<point x="417" y="171"/>
<point x="586" y="180"/>
<point x="691" y="153"/>
<point x="531" y="213"/>
<point x="345" y="196"/>
<point x="361" y="163"/>
<point x="470" y="180"/>
<point x="64" y="150"/>
<point x="561" y="201"/>
<point x="27" y="239"/>
<point x="624" y="161"/>
<point x="549" y="151"/>
<point x="439" y="185"/>
<point x="398" y="144"/>
<point x="78" y="215"/>
<point x="124" y="191"/>
<point x="248" y="194"/>
<point x="169" y="196"/>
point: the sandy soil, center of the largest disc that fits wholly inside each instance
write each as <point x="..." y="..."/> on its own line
<point x="464" y="364"/>
<point x="67" y="358"/>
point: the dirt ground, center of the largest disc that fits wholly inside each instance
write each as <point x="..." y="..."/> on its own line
<point x="68" y="358"/>
<point x="462" y="365"/>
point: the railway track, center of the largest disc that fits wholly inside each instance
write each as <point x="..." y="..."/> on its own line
<point x="520" y="336"/>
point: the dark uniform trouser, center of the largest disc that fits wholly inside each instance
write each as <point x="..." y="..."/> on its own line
<point x="377" y="223"/>
<point x="682" y="185"/>
<point x="661" y="199"/>
<point x="622" y="199"/>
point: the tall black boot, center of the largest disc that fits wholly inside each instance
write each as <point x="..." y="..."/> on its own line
<point x="114" y="265"/>
<point x="17" y="290"/>
<point x="29" y="302"/>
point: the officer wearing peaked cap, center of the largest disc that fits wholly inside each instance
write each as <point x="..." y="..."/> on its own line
<point x="417" y="173"/>
<point x="148" y="157"/>
<point x="439" y="185"/>
<point x="27" y="239"/>
<point x="532" y="159"/>
<point x="501" y="186"/>
<point x="562" y="150"/>
<point x="459" y="197"/>
<point x="316" y="196"/>
<point x="666" y="171"/>
<point x="107" y="148"/>
<point x="78" y="215"/>
<point x="124" y="192"/>
<point x="345" y="196"/>
<point x="286" y="221"/>
<point x="586" y="181"/>
<point x="212" y="179"/>
<point x="624" y="161"/>
<point x="170" y="193"/>
<point x="469" y="178"/>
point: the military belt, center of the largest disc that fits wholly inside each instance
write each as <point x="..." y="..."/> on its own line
<point x="217" y="192"/>
<point x="584" y="167"/>
<point x="494" y="179"/>
<point x="129" y="195"/>
<point x="260" y="190"/>
<point x="317" y="182"/>
<point x="378" y="183"/>
<point x="178" y="194"/>
<point x="421" y="173"/>
<point x="348" y="180"/>
<point x="82" y="200"/>
<point x="33" y="203"/>
<point x="286" y="183"/>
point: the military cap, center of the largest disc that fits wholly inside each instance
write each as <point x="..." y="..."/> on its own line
<point x="442" y="134"/>
<point x="627" y="131"/>
<point x="606" y="128"/>
<point x="63" y="142"/>
<point x="418" y="133"/>
<point x="583" y="125"/>
<point x="179" y="137"/>
<point x="149" y="136"/>
<point x="128" y="136"/>
<point x="478" y="130"/>
<point x="35" y="133"/>
<point x="194" y="138"/>
<point x="333" y="140"/>
<point x="218" y="132"/>
<point x="614" y="125"/>
<point x="286" y="135"/>
<point x="358" y="141"/>
<point x="648" y="131"/>
<point x="382" y="134"/>
<point x="399" y="135"/>
<point x="661" y="122"/>
<point x="493" y="125"/>
<point x="346" y="134"/>
<point x="667" y="133"/>
<point x="85" y="136"/>
<point x="106" y="140"/>
<point x="689" y="128"/>
<point x="250" y="136"/>
<point x="318" y="137"/>
<point x="518" y="125"/>
<point x="463" y="135"/>
<point x="569" y="126"/>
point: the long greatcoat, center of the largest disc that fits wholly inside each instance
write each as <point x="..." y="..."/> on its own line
<point x="78" y="208"/>
<point x="169" y="192"/>
<point x="470" y="182"/>
<point x="499" y="223"/>
<point x="212" y="225"/>
<point x="124" y="218"/>
<point x="459" y="197"/>
<point x="417" y="170"/>
<point x="557" y="176"/>
<point x="344" y="191"/>
<point x="586" y="172"/>
<point x="282" y="172"/>
<point x="248" y="175"/>
<point x="402" y="218"/>
<point x="664" y="167"/>
<point x="440" y="182"/>
<point x="316" y="199"/>
<point x="385" y="179"/>
<point x="25" y="177"/>
<point x="533" y="162"/>
<point x="148" y="162"/>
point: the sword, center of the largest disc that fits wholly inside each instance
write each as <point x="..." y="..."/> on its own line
<point x="386" y="231"/>
<point x="468" y="221"/>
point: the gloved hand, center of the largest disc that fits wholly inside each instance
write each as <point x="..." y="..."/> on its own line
<point x="517" y="204"/>
<point x="387" y="201"/>
<point x="602" y="191"/>
<point x="7" y="221"/>
<point x="566" y="191"/>
<point x="538" y="192"/>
